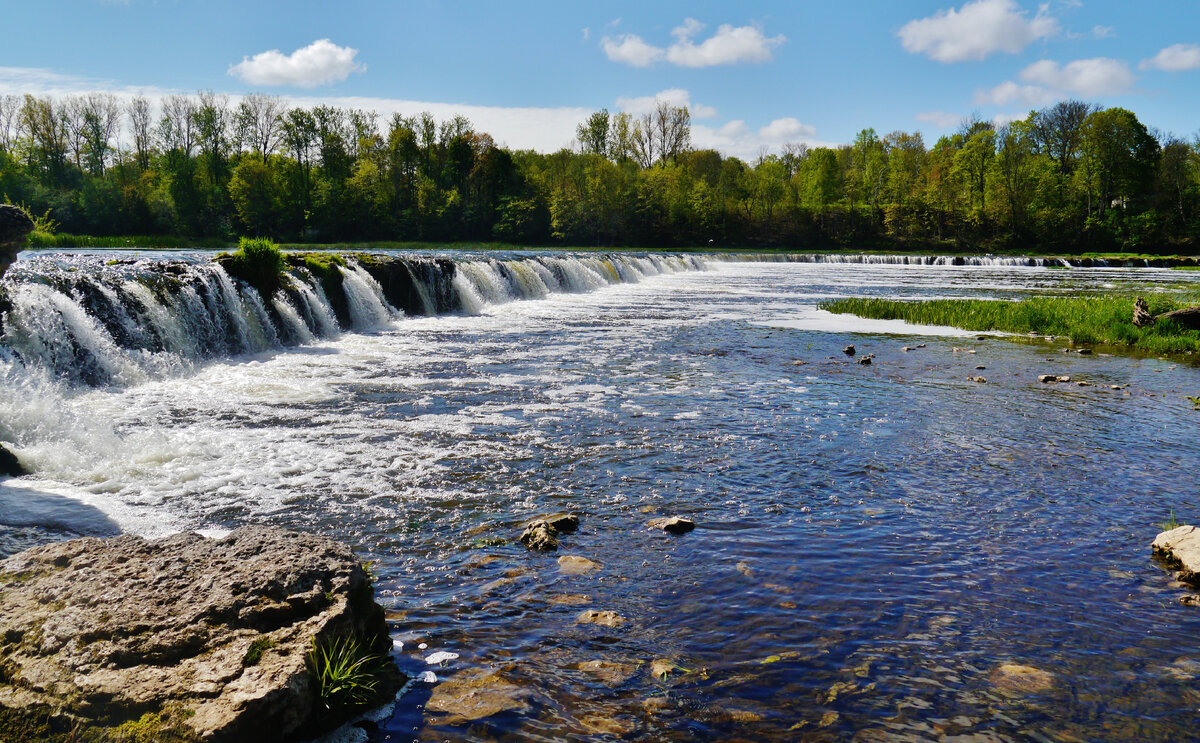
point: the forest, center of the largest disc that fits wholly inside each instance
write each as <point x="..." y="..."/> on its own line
<point x="1071" y="177"/>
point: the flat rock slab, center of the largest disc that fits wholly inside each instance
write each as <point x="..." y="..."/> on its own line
<point x="1181" y="548"/>
<point x="209" y="634"/>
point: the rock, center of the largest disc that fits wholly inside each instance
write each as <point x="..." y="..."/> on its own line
<point x="608" y="672"/>
<point x="1085" y="352"/>
<point x="849" y="350"/>
<point x="9" y="464"/>
<point x="15" y="224"/>
<point x="541" y="534"/>
<point x="1015" y="679"/>
<point x="476" y="694"/>
<point x="1180" y="547"/>
<point x="538" y="536"/>
<point x="576" y="565"/>
<point x="661" y="668"/>
<point x="204" y="638"/>
<point x="603" y="725"/>
<point x="1188" y="317"/>
<point x="570" y="599"/>
<point x="602" y="618"/>
<point x="1141" y="313"/>
<point x="1084" y="384"/>
<point x="981" y="367"/>
<point x="561" y="523"/>
<point x="978" y="380"/>
<point x="1047" y="378"/>
<point x="1062" y="378"/>
<point x="673" y="524"/>
<point x="865" y="361"/>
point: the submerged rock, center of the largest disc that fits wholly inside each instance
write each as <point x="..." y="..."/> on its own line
<point x="576" y="565"/>
<point x="602" y="618"/>
<point x="476" y="694"/>
<point x="1015" y="679"/>
<point x="608" y="672"/>
<point x="196" y="638"/>
<point x="1180" y="547"/>
<point x="849" y="350"/>
<point x="673" y="524"/>
<point x="10" y="466"/>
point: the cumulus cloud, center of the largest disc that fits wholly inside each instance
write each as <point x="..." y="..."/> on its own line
<point x="729" y="45"/>
<point x="738" y="139"/>
<point x="976" y="30"/>
<point x="940" y="119"/>
<point x="1048" y="81"/>
<point x="1091" y="78"/>
<point x="1176" y="58"/>
<point x="630" y="49"/>
<point x="318" y="63"/>
<point x="673" y="96"/>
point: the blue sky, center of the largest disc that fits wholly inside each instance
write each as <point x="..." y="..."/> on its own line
<point x="755" y="74"/>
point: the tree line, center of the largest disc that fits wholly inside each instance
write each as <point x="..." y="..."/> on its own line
<point x="1072" y="176"/>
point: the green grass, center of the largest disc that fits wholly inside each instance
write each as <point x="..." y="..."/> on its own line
<point x="40" y="239"/>
<point x="1098" y="320"/>
<point x="1169" y="524"/>
<point x="345" y="672"/>
<point x="258" y="262"/>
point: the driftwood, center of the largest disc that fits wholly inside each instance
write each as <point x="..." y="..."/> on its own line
<point x="1188" y="317"/>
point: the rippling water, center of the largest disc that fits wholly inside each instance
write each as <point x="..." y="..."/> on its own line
<point x="874" y="543"/>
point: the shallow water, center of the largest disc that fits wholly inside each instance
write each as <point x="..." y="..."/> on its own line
<point x="873" y="542"/>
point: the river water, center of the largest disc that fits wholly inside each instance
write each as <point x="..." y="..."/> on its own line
<point x="880" y="549"/>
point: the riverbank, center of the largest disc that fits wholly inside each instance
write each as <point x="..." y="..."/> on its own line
<point x="1096" y="320"/>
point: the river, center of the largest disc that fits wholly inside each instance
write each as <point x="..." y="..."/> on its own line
<point x="879" y="548"/>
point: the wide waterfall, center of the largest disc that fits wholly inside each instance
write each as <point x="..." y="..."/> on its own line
<point x="86" y="320"/>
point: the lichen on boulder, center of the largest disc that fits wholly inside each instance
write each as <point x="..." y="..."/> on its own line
<point x="207" y="639"/>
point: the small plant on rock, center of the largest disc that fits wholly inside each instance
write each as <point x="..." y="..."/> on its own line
<point x="345" y="672"/>
<point x="1169" y="524"/>
<point x="258" y="262"/>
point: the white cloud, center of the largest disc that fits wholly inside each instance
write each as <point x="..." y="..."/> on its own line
<point x="674" y="96"/>
<point x="1103" y="32"/>
<point x="587" y="33"/>
<point x="1047" y="81"/>
<point x="318" y="63"/>
<point x="1090" y="78"/>
<point x="737" y="139"/>
<point x="1009" y="92"/>
<point x="630" y="49"/>
<point x="976" y="30"/>
<point x="1176" y="58"/>
<point x="1002" y="120"/>
<point x="729" y="45"/>
<point x="940" y="119"/>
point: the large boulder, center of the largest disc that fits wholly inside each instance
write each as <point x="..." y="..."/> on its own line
<point x="15" y="224"/>
<point x="1180" y="548"/>
<point x="182" y="638"/>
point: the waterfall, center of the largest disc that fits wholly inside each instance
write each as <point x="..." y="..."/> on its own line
<point x="85" y="321"/>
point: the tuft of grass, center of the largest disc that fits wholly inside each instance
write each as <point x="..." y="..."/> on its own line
<point x="1105" y="320"/>
<point x="258" y="262"/>
<point x="1170" y="523"/>
<point x="345" y="672"/>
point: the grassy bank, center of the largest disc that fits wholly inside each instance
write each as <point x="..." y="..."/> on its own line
<point x="1106" y="320"/>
